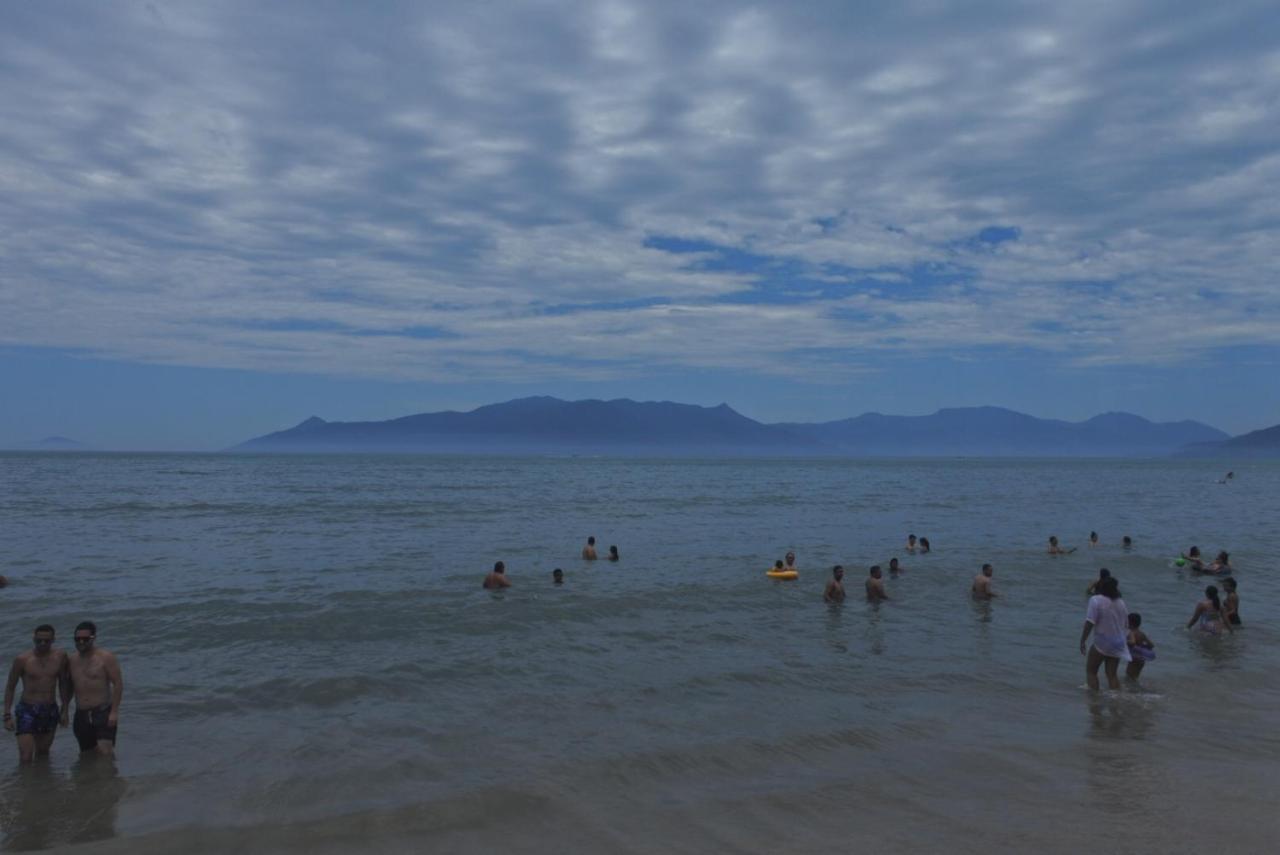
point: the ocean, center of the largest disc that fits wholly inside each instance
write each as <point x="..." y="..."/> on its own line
<point x="311" y="664"/>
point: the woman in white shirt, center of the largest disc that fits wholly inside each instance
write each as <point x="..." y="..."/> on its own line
<point x="1108" y="620"/>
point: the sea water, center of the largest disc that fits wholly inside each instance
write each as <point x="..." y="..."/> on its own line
<point x="311" y="664"/>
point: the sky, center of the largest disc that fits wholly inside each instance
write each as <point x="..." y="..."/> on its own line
<point x="219" y="219"/>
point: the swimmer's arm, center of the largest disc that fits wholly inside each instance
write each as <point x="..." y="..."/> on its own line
<point x="1195" y="616"/>
<point x="9" y="686"/>
<point x="112" y="667"/>
<point x="1084" y="634"/>
<point x="64" y="688"/>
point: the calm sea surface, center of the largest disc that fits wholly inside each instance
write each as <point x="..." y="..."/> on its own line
<point x="311" y="664"/>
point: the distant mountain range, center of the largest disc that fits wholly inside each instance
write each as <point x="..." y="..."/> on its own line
<point x="53" y="443"/>
<point x="1256" y="444"/>
<point x="549" y="425"/>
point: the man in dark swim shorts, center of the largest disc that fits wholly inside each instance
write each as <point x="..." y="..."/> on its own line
<point x="35" y="719"/>
<point x="98" y="686"/>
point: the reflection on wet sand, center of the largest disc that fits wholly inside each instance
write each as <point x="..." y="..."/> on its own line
<point x="43" y="808"/>
<point x="1120" y="769"/>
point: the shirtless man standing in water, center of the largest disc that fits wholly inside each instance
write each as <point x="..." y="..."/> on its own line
<point x="35" y="719"/>
<point x="982" y="584"/>
<point x="835" y="587"/>
<point x="497" y="579"/>
<point x="589" y="551"/>
<point x="98" y="686"/>
<point x="875" y="586"/>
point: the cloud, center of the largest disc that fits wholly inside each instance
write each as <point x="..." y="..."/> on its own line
<point x="483" y="191"/>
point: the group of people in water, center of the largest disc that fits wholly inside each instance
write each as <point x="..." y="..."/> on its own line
<point x="91" y="677"/>
<point x="1116" y="632"/>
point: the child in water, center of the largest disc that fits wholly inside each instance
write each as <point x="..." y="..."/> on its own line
<point x="1141" y="648"/>
<point x="1231" y="602"/>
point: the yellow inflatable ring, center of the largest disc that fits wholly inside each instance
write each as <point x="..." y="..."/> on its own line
<point x="782" y="574"/>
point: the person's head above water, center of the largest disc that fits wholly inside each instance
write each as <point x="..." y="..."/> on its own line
<point x="1053" y="540"/>
<point x="499" y="567"/>
<point x="1193" y="552"/>
<point x="987" y="570"/>
<point x="1135" y="620"/>
<point x="1103" y="573"/>
<point x="791" y="558"/>
<point x="1230" y="584"/>
<point x="1212" y="593"/>
<point x="875" y="571"/>
<point x="911" y="538"/>
<point x="777" y="565"/>
<point x="1093" y="536"/>
<point x="1223" y="558"/>
<point x="893" y="564"/>
<point x="837" y="571"/>
<point x="557" y="575"/>
<point x="613" y="552"/>
<point x="1127" y="540"/>
<point x="591" y="541"/>
<point x="924" y="543"/>
<point x="1109" y="588"/>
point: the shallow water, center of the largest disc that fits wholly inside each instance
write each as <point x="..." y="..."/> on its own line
<point x="310" y="662"/>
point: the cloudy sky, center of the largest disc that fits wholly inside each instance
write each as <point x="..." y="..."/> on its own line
<point x="217" y="219"/>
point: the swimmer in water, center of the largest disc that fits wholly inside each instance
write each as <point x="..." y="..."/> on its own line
<point x="1093" y="539"/>
<point x="1208" y="614"/>
<point x="1221" y="565"/>
<point x="1055" y="549"/>
<point x="1126" y="542"/>
<point x="497" y="579"/>
<point x="894" y="567"/>
<point x="1231" y="602"/>
<point x="777" y="566"/>
<point x="1093" y="586"/>
<point x="557" y="576"/>
<point x="791" y="561"/>
<point x="613" y="553"/>
<point x="835" y="586"/>
<point x="1192" y="557"/>
<point x="875" y="585"/>
<point x="1141" y="648"/>
<point x="981" y="588"/>
<point x="924" y="544"/>
<point x="911" y="544"/>
<point x="589" y="551"/>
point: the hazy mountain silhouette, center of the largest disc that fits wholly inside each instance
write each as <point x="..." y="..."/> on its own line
<point x="1255" y="444"/>
<point x="997" y="432"/>
<point x="622" y="426"/>
<point x="54" y="443"/>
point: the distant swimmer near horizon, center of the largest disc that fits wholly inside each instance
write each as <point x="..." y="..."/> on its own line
<point x="613" y="553"/>
<point x="791" y="562"/>
<point x="924" y="545"/>
<point x="875" y="585"/>
<point x="895" y="568"/>
<point x="835" y="586"/>
<point x="981" y="588"/>
<point x="911" y="544"/>
<point x="589" y="551"/>
<point x="1093" y="539"/>
<point x="1055" y="549"/>
<point x="1108" y="619"/>
<point x="557" y="576"/>
<point x="498" y="578"/>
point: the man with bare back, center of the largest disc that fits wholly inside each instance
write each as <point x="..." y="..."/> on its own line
<point x="981" y="588"/>
<point x="43" y="672"/>
<point x="98" y="686"/>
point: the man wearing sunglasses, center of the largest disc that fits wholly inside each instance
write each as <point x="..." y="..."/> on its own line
<point x="43" y="672"/>
<point x="98" y="686"/>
